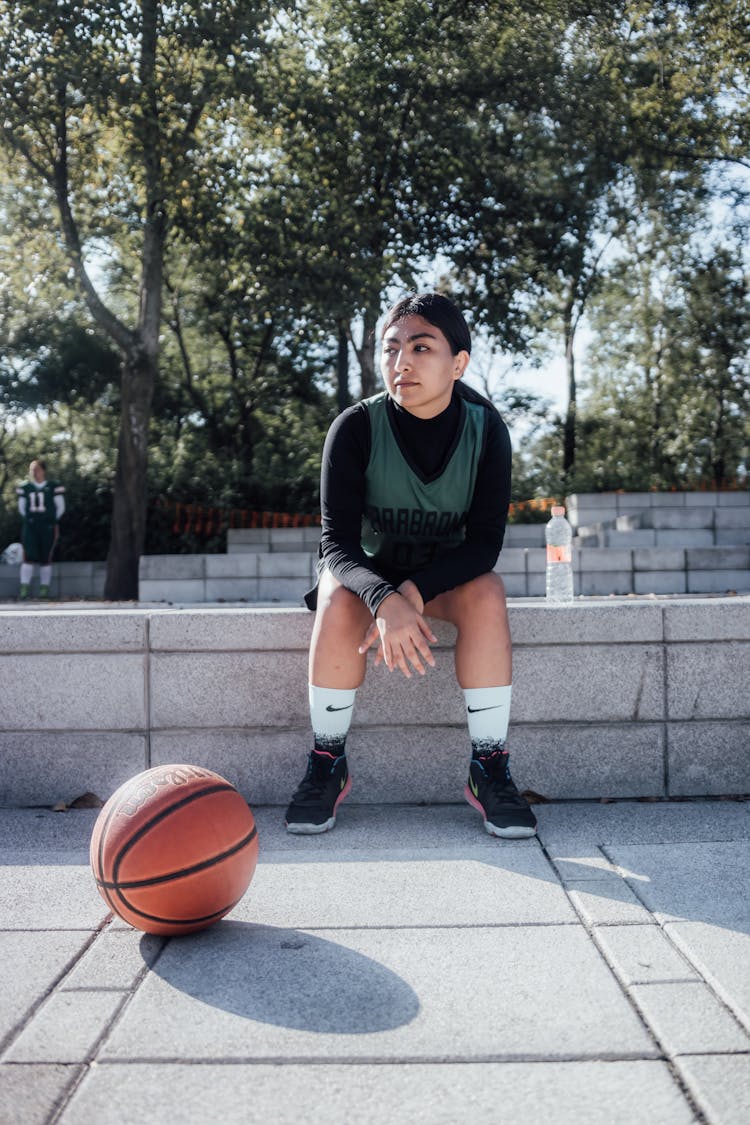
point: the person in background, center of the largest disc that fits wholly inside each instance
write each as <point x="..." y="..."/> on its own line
<point x="41" y="503"/>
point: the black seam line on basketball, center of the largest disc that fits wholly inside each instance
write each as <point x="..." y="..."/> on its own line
<point x="130" y="884"/>
<point x="213" y="916"/>
<point x="163" y="816"/>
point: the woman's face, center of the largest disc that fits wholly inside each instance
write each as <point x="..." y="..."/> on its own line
<point x="418" y="366"/>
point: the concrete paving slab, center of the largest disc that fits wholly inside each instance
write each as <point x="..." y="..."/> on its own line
<point x="719" y="1084"/>
<point x="574" y="865"/>
<point x="703" y="684"/>
<point x="703" y="887"/>
<point x="262" y="992"/>
<point x="688" y="1018"/>
<point x="39" y="897"/>
<point x="114" y="961"/>
<point x="704" y="882"/>
<point x="225" y="629"/>
<point x="601" y="759"/>
<point x="372" y="830"/>
<point x="606" y="902"/>
<point x="399" y="764"/>
<point x="660" y="582"/>
<point x="30" y="1094"/>
<point x="643" y="955"/>
<point x="79" y="630"/>
<point x="722" y="956"/>
<point x="589" y="622"/>
<point x="67" y="1028"/>
<point x="708" y="757"/>
<point x="582" y="823"/>
<point x="388" y="917"/>
<point x="85" y="693"/>
<point x="44" y="767"/>
<point x="30" y="965"/>
<point x="718" y="619"/>
<point x="567" y="683"/>
<point x="28" y="835"/>
<point x="632" y="1093"/>
<point x="500" y="889"/>
<point x="233" y="689"/>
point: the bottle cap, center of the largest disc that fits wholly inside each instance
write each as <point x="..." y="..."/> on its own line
<point x="558" y="510"/>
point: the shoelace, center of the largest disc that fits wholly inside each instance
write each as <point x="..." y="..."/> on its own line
<point x="498" y="774"/>
<point x="313" y="784"/>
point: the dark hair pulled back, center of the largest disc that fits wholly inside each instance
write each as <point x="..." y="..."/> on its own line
<point x="436" y="310"/>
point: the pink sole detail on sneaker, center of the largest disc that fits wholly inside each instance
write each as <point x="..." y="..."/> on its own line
<point x="472" y="800"/>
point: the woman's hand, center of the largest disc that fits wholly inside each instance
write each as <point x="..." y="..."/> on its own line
<point x="405" y="636"/>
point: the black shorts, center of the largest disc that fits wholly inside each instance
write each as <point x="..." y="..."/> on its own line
<point x="39" y="542"/>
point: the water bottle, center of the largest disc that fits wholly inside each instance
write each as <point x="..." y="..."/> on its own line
<point x="558" y="535"/>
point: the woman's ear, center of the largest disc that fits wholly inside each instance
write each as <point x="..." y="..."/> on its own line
<point x="461" y="363"/>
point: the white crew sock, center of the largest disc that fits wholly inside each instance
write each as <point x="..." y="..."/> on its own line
<point x="331" y="715"/>
<point x="487" y="716"/>
<point x="27" y="572"/>
<point x="45" y="575"/>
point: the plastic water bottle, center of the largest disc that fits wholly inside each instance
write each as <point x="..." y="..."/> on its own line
<point x="558" y="535"/>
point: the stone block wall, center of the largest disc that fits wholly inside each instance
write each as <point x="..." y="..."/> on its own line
<point x="611" y="698"/>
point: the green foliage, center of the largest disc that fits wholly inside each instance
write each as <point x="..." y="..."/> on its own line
<point x="300" y="164"/>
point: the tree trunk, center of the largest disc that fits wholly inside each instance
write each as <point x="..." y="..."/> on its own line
<point x="569" y="437"/>
<point x="366" y="354"/>
<point x="342" y="370"/>
<point x="128" y="528"/>
<point x="141" y="359"/>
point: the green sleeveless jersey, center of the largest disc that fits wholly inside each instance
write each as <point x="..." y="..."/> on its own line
<point x="40" y="502"/>
<point x="409" y="521"/>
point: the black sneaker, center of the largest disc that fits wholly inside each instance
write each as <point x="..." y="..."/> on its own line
<point x="491" y="791"/>
<point x="323" y="788"/>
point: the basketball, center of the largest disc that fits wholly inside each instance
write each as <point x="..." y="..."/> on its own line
<point x="174" y="849"/>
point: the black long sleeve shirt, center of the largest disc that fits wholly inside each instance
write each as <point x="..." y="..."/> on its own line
<point x="427" y="443"/>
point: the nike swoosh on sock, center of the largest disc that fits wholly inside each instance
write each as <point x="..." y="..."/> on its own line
<point x="473" y="710"/>
<point x="347" y="708"/>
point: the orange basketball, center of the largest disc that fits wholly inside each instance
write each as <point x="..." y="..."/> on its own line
<point x="174" y="849"/>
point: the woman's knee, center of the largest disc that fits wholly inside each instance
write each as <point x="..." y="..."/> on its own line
<point x="338" y="607"/>
<point x="483" y="599"/>
<point x="488" y="590"/>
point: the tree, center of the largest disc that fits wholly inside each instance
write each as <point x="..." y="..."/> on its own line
<point x="715" y="348"/>
<point x="104" y="107"/>
<point x="670" y="381"/>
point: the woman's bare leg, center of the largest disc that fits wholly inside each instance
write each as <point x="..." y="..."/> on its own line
<point x="478" y="609"/>
<point x="341" y="621"/>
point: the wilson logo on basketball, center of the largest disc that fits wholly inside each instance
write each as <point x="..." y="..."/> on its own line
<point x="167" y="777"/>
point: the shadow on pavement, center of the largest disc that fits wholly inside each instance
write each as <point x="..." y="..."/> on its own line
<point x="288" y="978"/>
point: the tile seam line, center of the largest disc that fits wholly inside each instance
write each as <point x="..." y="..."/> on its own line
<point x="382" y="1060"/>
<point x="147" y="703"/>
<point x="708" y="983"/>
<point x="712" y="983"/>
<point x="657" y="1040"/>
<point x="589" y="929"/>
<point x="665" y="703"/>
<point x="417" y="927"/>
<point x="7" y="1041"/>
<point x="103" y="1037"/>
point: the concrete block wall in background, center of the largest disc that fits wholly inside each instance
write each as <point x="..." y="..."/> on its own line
<point x="626" y="543"/>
